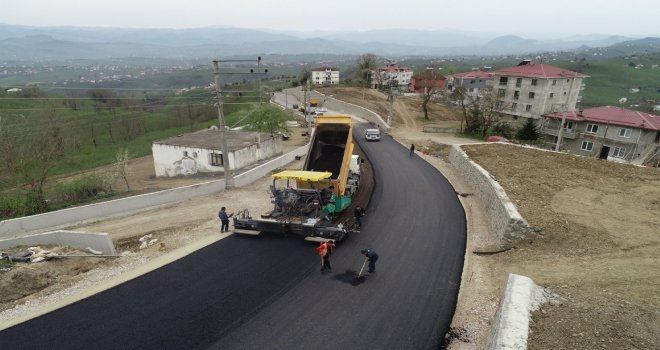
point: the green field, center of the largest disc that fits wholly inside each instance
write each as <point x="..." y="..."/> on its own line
<point x="613" y="79"/>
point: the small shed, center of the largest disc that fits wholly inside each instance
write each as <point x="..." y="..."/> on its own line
<point x="201" y="151"/>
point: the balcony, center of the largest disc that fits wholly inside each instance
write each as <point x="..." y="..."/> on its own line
<point x="567" y="133"/>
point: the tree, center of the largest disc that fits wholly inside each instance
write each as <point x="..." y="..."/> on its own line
<point x="480" y="111"/>
<point x="121" y="166"/>
<point x="305" y="75"/>
<point x="529" y="131"/>
<point x="28" y="158"/>
<point x="366" y="65"/>
<point x="432" y="83"/>
<point x="458" y="96"/>
<point x="267" y="119"/>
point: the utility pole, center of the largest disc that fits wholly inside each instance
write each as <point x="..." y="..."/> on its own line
<point x="307" y="117"/>
<point x="229" y="180"/>
<point x="389" y="112"/>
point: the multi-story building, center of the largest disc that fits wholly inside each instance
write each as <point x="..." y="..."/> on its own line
<point x="473" y="82"/>
<point x="607" y="132"/>
<point x="325" y="76"/>
<point x="392" y="75"/>
<point x="531" y="90"/>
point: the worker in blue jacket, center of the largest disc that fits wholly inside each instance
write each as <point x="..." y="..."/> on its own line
<point x="372" y="256"/>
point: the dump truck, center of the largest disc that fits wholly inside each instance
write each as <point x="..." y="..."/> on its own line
<point x="308" y="202"/>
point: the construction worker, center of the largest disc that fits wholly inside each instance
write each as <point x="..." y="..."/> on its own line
<point x="358" y="213"/>
<point x="372" y="256"/>
<point x="330" y="248"/>
<point x="322" y="251"/>
<point x="224" y="219"/>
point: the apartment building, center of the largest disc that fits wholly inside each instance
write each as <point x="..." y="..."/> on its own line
<point x="392" y="75"/>
<point x="473" y="82"/>
<point x="325" y="76"/>
<point x="611" y="133"/>
<point x="530" y="90"/>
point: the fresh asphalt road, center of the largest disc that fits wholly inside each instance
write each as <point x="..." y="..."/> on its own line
<point x="268" y="293"/>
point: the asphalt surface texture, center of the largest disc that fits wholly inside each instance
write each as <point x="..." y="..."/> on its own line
<point x="268" y="292"/>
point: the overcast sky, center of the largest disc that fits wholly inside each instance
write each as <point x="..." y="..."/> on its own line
<point x="522" y="18"/>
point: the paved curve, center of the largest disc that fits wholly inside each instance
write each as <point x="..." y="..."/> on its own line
<point x="267" y="293"/>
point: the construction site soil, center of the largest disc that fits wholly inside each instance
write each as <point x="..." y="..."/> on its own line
<point x="597" y="246"/>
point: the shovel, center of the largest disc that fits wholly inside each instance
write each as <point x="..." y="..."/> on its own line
<point x="359" y="277"/>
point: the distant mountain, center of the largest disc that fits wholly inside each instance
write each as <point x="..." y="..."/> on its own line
<point x="23" y="43"/>
<point x="411" y="37"/>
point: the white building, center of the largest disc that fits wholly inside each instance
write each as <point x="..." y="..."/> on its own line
<point x="392" y="75"/>
<point x="325" y="76"/>
<point x="201" y="151"/>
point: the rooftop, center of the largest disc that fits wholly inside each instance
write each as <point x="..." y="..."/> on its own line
<point x="614" y="116"/>
<point x="476" y="74"/>
<point x="538" y="70"/>
<point x="210" y="139"/>
<point x="323" y="69"/>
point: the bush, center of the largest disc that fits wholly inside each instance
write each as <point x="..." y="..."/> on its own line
<point x="81" y="190"/>
<point x="11" y="206"/>
<point x="22" y="204"/>
<point x="503" y="129"/>
<point x="528" y="132"/>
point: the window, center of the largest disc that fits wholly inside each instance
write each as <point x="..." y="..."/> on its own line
<point x="501" y="92"/>
<point x="185" y="153"/>
<point x="194" y="154"/>
<point x="504" y="80"/>
<point x="592" y="128"/>
<point x="498" y="105"/>
<point x="534" y="81"/>
<point x="531" y="95"/>
<point x="514" y="106"/>
<point x="518" y="82"/>
<point x="471" y="81"/>
<point x="471" y="90"/>
<point x="568" y="125"/>
<point x="554" y="82"/>
<point x="587" y="146"/>
<point x="528" y="108"/>
<point x="516" y="95"/>
<point x="216" y="159"/>
<point x="625" y="133"/>
<point x="552" y="94"/>
<point x="619" y="152"/>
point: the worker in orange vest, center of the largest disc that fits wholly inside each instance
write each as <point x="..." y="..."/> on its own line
<point x="324" y="250"/>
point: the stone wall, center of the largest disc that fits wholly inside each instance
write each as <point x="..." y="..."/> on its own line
<point x="505" y="221"/>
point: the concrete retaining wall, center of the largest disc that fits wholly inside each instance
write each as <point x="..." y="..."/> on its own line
<point x="358" y="111"/>
<point x="101" y="242"/>
<point x="47" y="221"/>
<point x="345" y="108"/>
<point x="504" y="220"/>
<point x="510" y="328"/>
